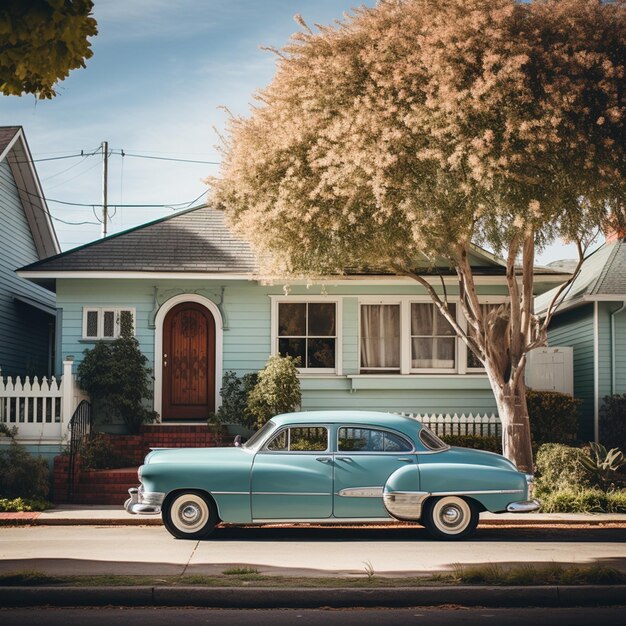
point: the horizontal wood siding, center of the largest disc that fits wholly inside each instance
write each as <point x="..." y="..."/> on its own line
<point x="575" y="328"/>
<point x="247" y="340"/>
<point x="24" y="332"/>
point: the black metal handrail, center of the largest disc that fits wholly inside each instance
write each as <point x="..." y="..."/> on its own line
<point x="80" y="431"/>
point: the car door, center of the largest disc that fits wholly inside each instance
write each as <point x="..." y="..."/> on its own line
<point x="365" y="457"/>
<point x="292" y="476"/>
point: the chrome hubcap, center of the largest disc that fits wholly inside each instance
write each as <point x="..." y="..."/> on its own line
<point x="190" y="513"/>
<point x="451" y="515"/>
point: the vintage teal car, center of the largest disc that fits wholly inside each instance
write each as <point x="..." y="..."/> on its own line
<point x="330" y="466"/>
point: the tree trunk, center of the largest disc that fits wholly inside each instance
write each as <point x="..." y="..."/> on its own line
<point x="513" y="412"/>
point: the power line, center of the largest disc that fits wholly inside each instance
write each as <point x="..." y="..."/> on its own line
<point x="156" y="158"/>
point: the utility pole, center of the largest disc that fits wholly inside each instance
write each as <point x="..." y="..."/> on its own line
<point x="105" y="176"/>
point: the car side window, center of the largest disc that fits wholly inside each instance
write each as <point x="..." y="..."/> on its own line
<point x="371" y="440"/>
<point x="300" y="439"/>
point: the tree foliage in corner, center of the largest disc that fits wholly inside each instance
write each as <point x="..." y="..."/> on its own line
<point x="407" y="133"/>
<point x="117" y="378"/>
<point x="41" y="41"/>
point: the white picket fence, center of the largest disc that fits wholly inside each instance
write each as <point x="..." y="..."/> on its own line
<point x="479" y="425"/>
<point x="40" y="409"/>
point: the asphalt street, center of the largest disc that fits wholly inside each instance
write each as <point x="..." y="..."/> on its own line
<point x="445" y="616"/>
<point x="298" y="551"/>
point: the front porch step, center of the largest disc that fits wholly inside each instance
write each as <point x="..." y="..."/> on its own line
<point x="108" y="486"/>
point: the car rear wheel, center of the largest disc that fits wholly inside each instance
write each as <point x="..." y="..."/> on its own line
<point x="189" y="515"/>
<point x="450" y="517"/>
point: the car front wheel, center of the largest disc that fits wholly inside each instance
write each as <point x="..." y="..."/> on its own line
<point x="189" y="515"/>
<point x="450" y="517"/>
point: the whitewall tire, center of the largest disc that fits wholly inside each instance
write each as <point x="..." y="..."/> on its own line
<point x="450" y="517"/>
<point x="189" y="515"/>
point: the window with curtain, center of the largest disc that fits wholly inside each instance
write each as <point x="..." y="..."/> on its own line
<point x="380" y="338"/>
<point x="433" y="339"/>
<point x="472" y="360"/>
<point x="308" y="330"/>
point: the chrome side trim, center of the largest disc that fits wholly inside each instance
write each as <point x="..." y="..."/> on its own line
<point x="288" y="493"/>
<point x="230" y="493"/>
<point x="361" y="492"/>
<point x="476" y="493"/>
<point x="405" y="505"/>
<point x="526" y="506"/>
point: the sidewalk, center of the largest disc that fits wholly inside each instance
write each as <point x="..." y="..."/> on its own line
<point x="77" y="515"/>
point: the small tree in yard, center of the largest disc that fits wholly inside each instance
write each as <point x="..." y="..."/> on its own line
<point x="117" y="378"/>
<point x="406" y="133"/>
<point x="277" y="390"/>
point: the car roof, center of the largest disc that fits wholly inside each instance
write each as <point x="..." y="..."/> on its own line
<point x="367" y="418"/>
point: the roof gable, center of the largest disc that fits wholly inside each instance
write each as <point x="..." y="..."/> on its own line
<point x="14" y="149"/>
<point x="601" y="276"/>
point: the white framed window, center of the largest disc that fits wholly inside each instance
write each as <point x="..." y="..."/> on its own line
<point x="408" y="335"/>
<point x="308" y="328"/>
<point x="433" y="338"/>
<point x="380" y="338"/>
<point x="104" y="322"/>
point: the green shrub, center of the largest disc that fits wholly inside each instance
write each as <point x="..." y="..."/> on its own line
<point x="22" y="475"/>
<point x="583" y="500"/>
<point x="553" y="416"/>
<point x="613" y="422"/>
<point x="277" y="390"/>
<point x="21" y="505"/>
<point x="559" y="467"/>
<point x="7" y="431"/>
<point x="491" y="444"/>
<point x="235" y="391"/>
<point x="99" y="452"/>
<point x="603" y="465"/>
<point x="117" y="378"/>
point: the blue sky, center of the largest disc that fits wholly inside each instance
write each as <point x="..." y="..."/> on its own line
<point x="160" y="71"/>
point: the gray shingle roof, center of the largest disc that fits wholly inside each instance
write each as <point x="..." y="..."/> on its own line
<point x="602" y="274"/>
<point x="194" y="240"/>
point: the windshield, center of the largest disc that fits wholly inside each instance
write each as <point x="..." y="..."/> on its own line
<point x="430" y="440"/>
<point x="259" y="435"/>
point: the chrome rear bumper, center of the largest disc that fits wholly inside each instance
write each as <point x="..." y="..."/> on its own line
<point x="525" y="506"/>
<point x="143" y="503"/>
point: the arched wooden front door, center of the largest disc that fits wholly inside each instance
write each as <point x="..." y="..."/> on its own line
<point x="188" y="362"/>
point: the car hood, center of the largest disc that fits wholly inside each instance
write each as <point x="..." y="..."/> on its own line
<point x="197" y="456"/>
<point x="477" y="457"/>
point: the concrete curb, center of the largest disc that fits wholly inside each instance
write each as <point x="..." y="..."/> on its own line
<point x="266" y="598"/>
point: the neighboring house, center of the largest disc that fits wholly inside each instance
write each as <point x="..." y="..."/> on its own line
<point x="591" y="318"/>
<point x="27" y="311"/>
<point x="365" y="341"/>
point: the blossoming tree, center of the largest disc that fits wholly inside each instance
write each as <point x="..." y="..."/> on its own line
<point x="405" y="134"/>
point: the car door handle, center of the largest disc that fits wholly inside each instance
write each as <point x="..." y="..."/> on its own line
<point x="344" y="458"/>
<point x="323" y="459"/>
<point x="405" y="459"/>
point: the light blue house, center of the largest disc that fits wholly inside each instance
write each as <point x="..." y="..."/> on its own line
<point x="27" y="311"/>
<point x="365" y="341"/>
<point x="591" y="318"/>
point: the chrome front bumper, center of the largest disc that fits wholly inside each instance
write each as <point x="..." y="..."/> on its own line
<point x="525" y="506"/>
<point x="144" y="502"/>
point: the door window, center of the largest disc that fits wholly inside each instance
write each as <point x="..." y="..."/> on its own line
<point x="371" y="440"/>
<point x="301" y="439"/>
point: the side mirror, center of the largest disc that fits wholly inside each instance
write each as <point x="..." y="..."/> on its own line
<point x="237" y="441"/>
